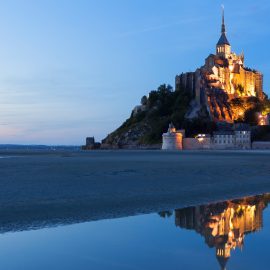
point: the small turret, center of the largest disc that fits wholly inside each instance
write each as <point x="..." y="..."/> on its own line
<point x="171" y="128"/>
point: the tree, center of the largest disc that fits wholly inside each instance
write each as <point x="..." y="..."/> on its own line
<point x="251" y="116"/>
<point x="165" y="88"/>
<point x="144" y="100"/>
<point x="266" y="107"/>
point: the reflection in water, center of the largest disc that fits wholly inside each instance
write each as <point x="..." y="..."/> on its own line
<point x="223" y="225"/>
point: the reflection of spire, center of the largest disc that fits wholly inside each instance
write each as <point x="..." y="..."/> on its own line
<point x="223" y="254"/>
<point x="222" y="262"/>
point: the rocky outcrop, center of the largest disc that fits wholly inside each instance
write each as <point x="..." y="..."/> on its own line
<point x="128" y="138"/>
<point x="219" y="105"/>
<point x="149" y="121"/>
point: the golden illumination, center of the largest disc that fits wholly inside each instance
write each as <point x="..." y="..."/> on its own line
<point x="224" y="225"/>
<point x="262" y="120"/>
<point x="201" y="137"/>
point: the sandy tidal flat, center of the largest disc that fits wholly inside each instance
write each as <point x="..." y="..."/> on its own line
<point x="47" y="188"/>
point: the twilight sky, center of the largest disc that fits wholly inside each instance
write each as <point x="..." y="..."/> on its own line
<point x="71" y="69"/>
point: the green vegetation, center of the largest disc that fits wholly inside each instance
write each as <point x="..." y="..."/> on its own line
<point x="198" y="125"/>
<point x="247" y="109"/>
<point x="152" y="118"/>
<point x="160" y="108"/>
<point x="261" y="133"/>
<point x="255" y="106"/>
<point x="149" y="121"/>
<point x="266" y="107"/>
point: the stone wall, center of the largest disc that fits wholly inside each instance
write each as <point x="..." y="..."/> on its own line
<point x="186" y="81"/>
<point x="196" y="144"/>
<point x="261" y="145"/>
<point x="259" y="85"/>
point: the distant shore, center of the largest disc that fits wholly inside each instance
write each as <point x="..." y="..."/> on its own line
<point x="48" y="188"/>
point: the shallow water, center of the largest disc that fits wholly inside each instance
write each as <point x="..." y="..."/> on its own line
<point x="232" y="233"/>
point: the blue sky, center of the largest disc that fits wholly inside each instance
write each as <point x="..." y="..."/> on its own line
<point x="71" y="69"/>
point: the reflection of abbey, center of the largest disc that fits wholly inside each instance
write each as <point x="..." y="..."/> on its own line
<point x="224" y="225"/>
<point x="222" y="78"/>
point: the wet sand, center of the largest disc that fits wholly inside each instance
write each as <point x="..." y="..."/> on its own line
<point x="40" y="189"/>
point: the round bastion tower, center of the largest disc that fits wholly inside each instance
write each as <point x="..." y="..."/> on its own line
<point x="173" y="139"/>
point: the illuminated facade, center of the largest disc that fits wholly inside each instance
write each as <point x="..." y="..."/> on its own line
<point x="222" y="78"/>
<point x="263" y="120"/>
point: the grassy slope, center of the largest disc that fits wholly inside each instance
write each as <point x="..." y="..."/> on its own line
<point x="161" y="107"/>
<point x="164" y="105"/>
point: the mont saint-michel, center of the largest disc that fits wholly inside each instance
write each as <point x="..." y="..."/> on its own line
<point x="183" y="183"/>
<point x="211" y="99"/>
<point x="223" y="78"/>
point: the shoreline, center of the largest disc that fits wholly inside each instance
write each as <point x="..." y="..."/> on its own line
<point x="50" y="189"/>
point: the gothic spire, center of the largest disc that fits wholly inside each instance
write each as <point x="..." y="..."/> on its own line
<point x="223" y="39"/>
<point x="223" y="29"/>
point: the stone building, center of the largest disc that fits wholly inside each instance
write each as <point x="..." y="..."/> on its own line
<point x="242" y="136"/>
<point x="263" y="120"/>
<point x="237" y="138"/>
<point x="173" y="139"/>
<point x="223" y="139"/>
<point x="91" y="144"/>
<point x="200" y="142"/>
<point x="222" y="78"/>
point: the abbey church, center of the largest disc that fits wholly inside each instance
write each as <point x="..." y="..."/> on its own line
<point x="221" y="79"/>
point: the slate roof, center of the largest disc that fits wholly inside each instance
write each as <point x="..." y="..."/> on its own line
<point x="223" y="132"/>
<point x="223" y="40"/>
<point x="242" y="127"/>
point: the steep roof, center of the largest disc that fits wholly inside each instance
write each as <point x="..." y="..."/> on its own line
<point x="223" y="132"/>
<point x="223" y="39"/>
<point x="242" y="127"/>
<point x="222" y="262"/>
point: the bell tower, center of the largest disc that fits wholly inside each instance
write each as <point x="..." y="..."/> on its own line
<point x="223" y="47"/>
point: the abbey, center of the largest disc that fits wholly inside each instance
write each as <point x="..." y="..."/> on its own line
<point x="208" y="103"/>
<point x="222" y="78"/>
